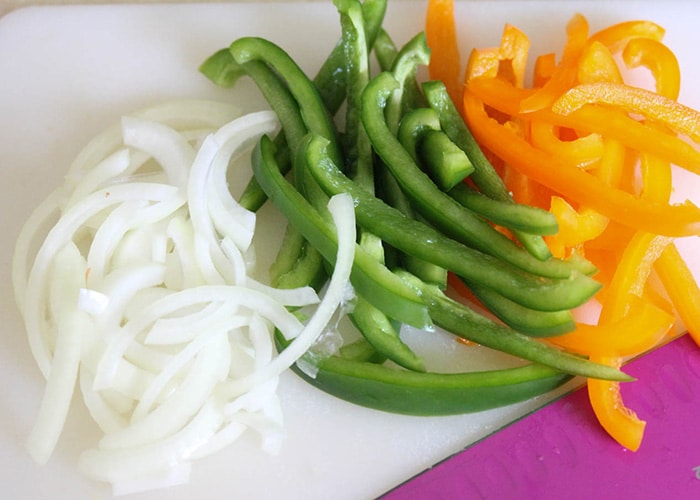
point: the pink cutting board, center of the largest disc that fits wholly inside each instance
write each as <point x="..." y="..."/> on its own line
<point x="68" y="72"/>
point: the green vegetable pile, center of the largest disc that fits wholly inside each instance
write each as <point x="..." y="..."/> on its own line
<point x="403" y="152"/>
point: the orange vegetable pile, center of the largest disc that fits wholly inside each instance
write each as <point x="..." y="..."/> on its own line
<point x="583" y="141"/>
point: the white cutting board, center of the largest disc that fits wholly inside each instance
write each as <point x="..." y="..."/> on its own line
<point x="68" y="72"/>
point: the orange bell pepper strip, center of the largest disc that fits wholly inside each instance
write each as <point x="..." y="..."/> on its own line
<point x="543" y="70"/>
<point x="629" y="279"/>
<point x="618" y="420"/>
<point x="611" y="123"/>
<point x="617" y="35"/>
<point x="611" y="167"/>
<point x="652" y="106"/>
<point x="659" y="59"/>
<point x="633" y="270"/>
<point x="640" y="330"/>
<point x="564" y="75"/>
<point x="681" y="287"/>
<point x="674" y="274"/>
<point x="441" y="37"/>
<point x="576" y="227"/>
<point x="663" y="64"/>
<point x="583" y="151"/>
<point x="482" y="63"/>
<point x="598" y="65"/>
<point x="576" y="184"/>
<point x="513" y="55"/>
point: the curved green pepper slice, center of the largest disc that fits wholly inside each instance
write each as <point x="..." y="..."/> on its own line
<point x="386" y="291"/>
<point x="431" y="394"/>
<point x="422" y="241"/>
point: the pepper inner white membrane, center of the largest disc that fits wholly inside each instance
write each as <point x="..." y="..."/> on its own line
<point x="134" y="282"/>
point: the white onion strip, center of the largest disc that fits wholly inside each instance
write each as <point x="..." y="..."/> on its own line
<point x="134" y="282"/>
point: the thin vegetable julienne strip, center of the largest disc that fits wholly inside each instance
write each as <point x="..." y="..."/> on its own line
<point x="651" y="105"/>
<point x="441" y="34"/>
<point x="676" y="277"/>
<point x="330" y="80"/>
<point x="606" y="400"/>
<point x="437" y="207"/>
<point x="387" y="292"/>
<point x="617" y="35"/>
<point x="375" y="326"/>
<point x="484" y="176"/>
<point x="565" y="72"/>
<point x="612" y="123"/>
<point x="423" y="241"/>
<point x="672" y="220"/>
<point x="372" y="279"/>
<point x="640" y="330"/>
<point x="461" y="320"/>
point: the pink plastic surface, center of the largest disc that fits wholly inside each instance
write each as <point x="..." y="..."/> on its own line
<point x="560" y="451"/>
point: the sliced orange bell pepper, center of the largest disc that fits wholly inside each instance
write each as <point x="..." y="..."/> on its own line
<point x="576" y="184"/>
<point x="441" y="37"/>
<point x="583" y="151"/>
<point x="564" y="75"/>
<point x="638" y="331"/>
<point x="580" y="112"/>
<point x="652" y="106"/>
<point x="633" y="269"/>
<point x="545" y="65"/>
<point x="482" y="63"/>
<point x="629" y="279"/>
<point x="597" y="65"/>
<point x="659" y="59"/>
<point x="513" y="55"/>
<point x="681" y="287"/>
<point x="618" y="420"/>
<point x="576" y="227"/>
<point x="606" y="121"/>
<point x="617" y="35"/>
<point x="656" y="172"/>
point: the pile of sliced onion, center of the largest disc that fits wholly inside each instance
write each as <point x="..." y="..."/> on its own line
<point x="134" y="282"/>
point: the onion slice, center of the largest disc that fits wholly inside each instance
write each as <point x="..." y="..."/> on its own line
<point x="134" y="282"/>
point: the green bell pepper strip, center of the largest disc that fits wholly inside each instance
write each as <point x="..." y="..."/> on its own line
<point x="382" y="335"/>
<point x="446" y="164"/>
<point x="422" y="241"/>
<point x="445" y="312"/>
<point x="484" y="176"/>
<point x="386" y="291"/>
<point x="390" y="192"/>
<point x="404" y="66"/>
<point x="514" y="216"/>
<point x="430" y="394"/>
<point x="384" y="50"/>
<point x="510" y="215"/>
<point x="522" y="319"/>
<point x="413" y="125"/>
<point x="407" y="95"/>
<point x="330" y="80"/>
<point x="359" y="157"/>
<point x="374" y="325"/>
<point x="436" y="206"/>
<point x="464" y="322"/>
<point x="304" y="110"/>
<point x="297" y="264"/>
<point x="312" y="112"/>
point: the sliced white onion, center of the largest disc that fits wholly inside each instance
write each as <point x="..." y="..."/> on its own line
<point x="69" y="265"/>
<point x="134" y="282"/>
